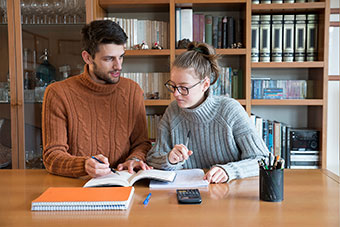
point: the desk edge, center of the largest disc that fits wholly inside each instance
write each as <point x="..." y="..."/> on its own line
<point x="331" y="175"/>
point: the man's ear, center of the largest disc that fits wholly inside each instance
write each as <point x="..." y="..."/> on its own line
<point x="206" y="84"/>
<point x="87" y="57"/>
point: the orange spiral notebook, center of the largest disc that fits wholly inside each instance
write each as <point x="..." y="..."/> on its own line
<point x="77" y="198"/>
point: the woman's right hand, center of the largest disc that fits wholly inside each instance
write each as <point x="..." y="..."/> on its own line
<point x="179" y="153"/>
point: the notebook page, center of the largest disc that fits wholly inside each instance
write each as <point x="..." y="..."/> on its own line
<point x="186" y="178"/>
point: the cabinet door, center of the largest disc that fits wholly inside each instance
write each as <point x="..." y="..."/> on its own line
<point x="51" y="52"/>
<point x="5" y="113"/>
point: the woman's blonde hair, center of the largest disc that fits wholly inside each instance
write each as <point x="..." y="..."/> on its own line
<point x="202" y="58"/>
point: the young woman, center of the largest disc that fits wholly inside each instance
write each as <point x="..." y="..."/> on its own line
<point x="221" y="138"/>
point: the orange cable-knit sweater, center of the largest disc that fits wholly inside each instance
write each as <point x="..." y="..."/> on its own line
<point x="82" y="118"/>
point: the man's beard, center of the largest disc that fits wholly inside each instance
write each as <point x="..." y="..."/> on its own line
<point x="104" y="76"/>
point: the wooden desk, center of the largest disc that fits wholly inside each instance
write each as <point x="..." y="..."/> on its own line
<point x="311" y="198"/>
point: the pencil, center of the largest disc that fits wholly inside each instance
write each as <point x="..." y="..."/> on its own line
<point x="188" y="137"/>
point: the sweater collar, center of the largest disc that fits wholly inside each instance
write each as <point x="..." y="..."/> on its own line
<point x="96" y="87"/>
<point x="204" y="112"/>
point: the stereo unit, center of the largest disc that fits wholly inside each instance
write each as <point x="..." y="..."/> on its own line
<point x="304" y="140"/>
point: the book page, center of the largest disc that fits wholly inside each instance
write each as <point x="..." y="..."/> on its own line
<point x="111" y="179"/>
<point x="186" y="178"/>
<point x="160" y="175"/>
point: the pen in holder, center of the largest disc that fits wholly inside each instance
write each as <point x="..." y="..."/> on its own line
<point x="271" y="185"/>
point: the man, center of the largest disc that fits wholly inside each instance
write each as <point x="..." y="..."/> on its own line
<point x="96" y="113"/>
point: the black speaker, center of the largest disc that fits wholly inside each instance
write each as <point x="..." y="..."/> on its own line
<point x="304" y="140"/>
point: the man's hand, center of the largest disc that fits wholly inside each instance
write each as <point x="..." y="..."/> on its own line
<point x="132" y="164"/>
<point x="216" y="175"/>
<point x="97" y="169"/>
<point x="179" y="153"/>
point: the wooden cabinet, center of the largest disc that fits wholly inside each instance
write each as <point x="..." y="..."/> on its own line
<point x="33" y="27"/>
<point x="309" y="113"/>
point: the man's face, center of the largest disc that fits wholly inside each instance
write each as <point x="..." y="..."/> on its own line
<point x="107" y="63"/>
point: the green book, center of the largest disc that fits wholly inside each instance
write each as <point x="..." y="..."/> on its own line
<point x="240" y="84"/>
<point x="208" y="29"/>
<point x="235" y="81"/>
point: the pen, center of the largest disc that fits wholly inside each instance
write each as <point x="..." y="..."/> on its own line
<point x="146" y="201"/>
<point x="187" y="141"/>
<point x="270" y="161"/>
<point x="112" y="169"/>
<point x="274" y="162"/>
<point x="264" y="164"/>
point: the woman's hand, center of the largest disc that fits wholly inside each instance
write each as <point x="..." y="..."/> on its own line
<point x="216" y="175"/>
<point x="179" y="153"/>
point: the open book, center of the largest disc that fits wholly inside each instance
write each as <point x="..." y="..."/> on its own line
<point x="127" y="179"/>
<point x="185" y="178"/>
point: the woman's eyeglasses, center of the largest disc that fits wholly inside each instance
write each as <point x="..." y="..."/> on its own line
<point x="181" y="89"/>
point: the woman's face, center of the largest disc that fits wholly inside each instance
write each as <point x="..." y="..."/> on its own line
<point x="188" y="78"/>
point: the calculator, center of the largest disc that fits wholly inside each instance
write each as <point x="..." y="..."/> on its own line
<point x="188" y="196"/>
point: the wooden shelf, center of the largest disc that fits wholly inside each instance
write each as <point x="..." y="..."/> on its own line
<point x="135" y="6"/>
<point x="208" y="1"/>
<point x="242" y="101"/>
<point x="241" y="51"/>
<point x="157" y="102"/>
<point x="314" y="64"/>
<point x="288" y="7"/>
<point x="287" y="102"/>
<point x="165" y="52"/>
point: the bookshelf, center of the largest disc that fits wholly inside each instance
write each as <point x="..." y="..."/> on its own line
<point x="314" y="109"/>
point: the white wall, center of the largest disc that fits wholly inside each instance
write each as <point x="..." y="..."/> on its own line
<point x="333" y="127"/>
<point x="333" y="156"/>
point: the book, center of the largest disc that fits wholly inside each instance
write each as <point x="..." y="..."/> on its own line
<point x="230" y="32"/>
<point x="312" y="37"/>
<point x="265" y="38"/>
<point x="277" y="138"/>
<point x="235" y="84"/>
<point x="215" y="32"/>
<point x="186" y="178"/>
<point x="178" y="25"/>
<point x="201" y="27"/>
<point x="126" y="179"/>
<point x="208" y="29"/>
<point x="300" y="37"/>
<point x="196" y="27"/>
<point x="186" y="24"/>
<point x="77" y="198"/>
<point x="276" y="52"/>
<point x="224" y="32"/>
<point x="219" y="33"/>
<point x="239" y="26"/>
<point x="255" y="33"/>
<point x="288" y="38"/>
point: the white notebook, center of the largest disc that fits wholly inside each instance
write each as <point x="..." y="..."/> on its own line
<point x="186" y="178"/>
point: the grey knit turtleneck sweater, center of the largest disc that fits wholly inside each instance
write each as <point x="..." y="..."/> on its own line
<point x="221" y="135"/>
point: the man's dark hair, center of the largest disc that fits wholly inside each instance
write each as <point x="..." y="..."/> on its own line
<point x="102" y="32"/>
